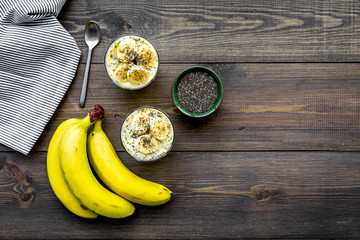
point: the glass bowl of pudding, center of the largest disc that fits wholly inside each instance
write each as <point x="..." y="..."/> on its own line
<point x="147" y="134"/>
<point x="132" y="62"/>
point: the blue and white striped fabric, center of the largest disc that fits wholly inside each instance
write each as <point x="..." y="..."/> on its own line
<point x="38" y="61"/>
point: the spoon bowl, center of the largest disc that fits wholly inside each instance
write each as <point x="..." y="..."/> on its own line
<point x="92" y="34"/>
<point x="92" y="38"/>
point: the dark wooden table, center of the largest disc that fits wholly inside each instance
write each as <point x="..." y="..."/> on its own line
<point x="280" y="158"/>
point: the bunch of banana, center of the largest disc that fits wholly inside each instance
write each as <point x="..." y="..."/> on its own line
<point x="56" y="176"/>
<point x="117" y="176"/>
<point x="73" y="182"/>
<point x="70" y="174"/>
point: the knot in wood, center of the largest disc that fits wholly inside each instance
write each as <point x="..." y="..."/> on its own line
<point x="128" y="26"/>
<point x="262" y="193"/>
<point x="26" y="196"/>
<point x="16" y="173"/>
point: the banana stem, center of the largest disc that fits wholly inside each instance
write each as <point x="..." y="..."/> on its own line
<point x="97" y="113"/>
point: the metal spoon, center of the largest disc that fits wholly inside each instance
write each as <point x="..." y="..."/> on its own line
<point x="92" y="38"/>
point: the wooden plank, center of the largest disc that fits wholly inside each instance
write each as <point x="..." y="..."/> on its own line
<point x="226" y="31"/>
<point x="217" y="195"/>
<point x="265" y="107"/>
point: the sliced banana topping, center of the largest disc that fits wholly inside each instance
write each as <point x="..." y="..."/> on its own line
<point x="147" y="144"/>
<point x="113" y="61"/>
<point x="141" y="123"/>
<point x="137" y="75"/>
<point x="160" y="129"/>
<point x="120" y="73"/>
<point x="126" y="51"/>
<point x="136" y="52"/>
<point x="146" y="57"/>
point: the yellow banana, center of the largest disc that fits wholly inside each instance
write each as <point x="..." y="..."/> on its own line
<point x="56" y="177"/>
<point x="75" y="164"/>
<point x="117" y="176"/>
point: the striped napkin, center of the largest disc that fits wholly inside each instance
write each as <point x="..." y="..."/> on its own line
<point x="38" y="61"/>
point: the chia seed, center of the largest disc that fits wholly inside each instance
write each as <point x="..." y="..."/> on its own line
<point x="197" y="92"/>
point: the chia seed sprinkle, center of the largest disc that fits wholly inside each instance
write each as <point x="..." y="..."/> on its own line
<point x="197" y="92"/>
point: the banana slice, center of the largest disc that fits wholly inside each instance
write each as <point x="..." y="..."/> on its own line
<point x="160" y="129"/>
<point x="147" y="144"/>
<point x="137" y="76"/>
<point x="113" y="61"/>
<point x="126" y="51"/>
<point x="120" y="73"/>
<point x="146" y="57"/>
<point x="141" y="123"/>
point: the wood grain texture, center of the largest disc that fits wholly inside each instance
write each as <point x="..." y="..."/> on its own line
<point x="265" y="107"/>
<point x="217" y="195"/>
<point x="226" y="31"/>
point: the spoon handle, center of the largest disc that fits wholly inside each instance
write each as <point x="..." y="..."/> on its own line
<point x="86" y="77"/>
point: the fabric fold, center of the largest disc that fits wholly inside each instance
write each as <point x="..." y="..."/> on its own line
<point x="38" y="61"/>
